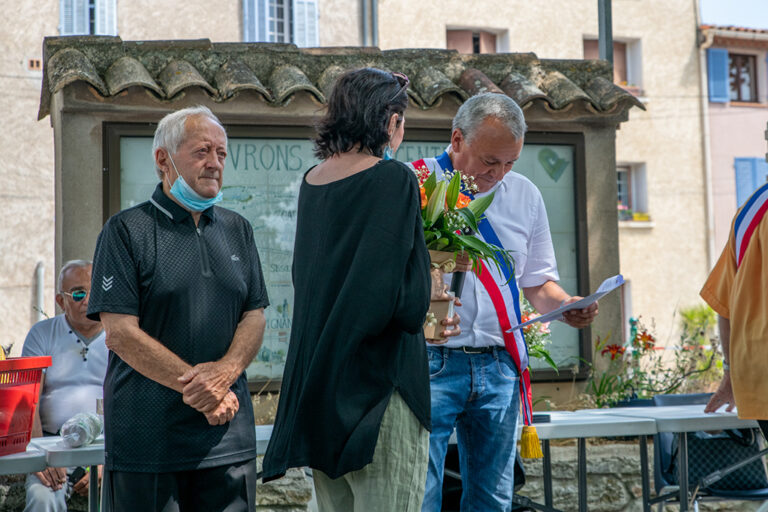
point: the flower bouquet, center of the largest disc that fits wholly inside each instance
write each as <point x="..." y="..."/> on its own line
<point x="450" y="216"/>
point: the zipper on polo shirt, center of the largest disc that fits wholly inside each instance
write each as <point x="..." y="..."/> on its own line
<point x="206" y="264"/>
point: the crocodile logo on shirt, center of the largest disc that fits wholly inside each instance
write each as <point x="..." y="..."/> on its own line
<point x="106" y="283"/>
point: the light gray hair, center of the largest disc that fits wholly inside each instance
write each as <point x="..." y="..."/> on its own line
<point x="489" y="104"/>
<point x="171" y="130"/>
<point x="70" y="265"/>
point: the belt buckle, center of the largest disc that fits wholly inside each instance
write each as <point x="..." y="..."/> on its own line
<point x="471" y="350"/>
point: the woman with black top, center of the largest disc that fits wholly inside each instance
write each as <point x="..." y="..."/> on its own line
<point x="354" y="402"/>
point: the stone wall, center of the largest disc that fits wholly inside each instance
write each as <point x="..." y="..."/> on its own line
<point x="613" y="480"/>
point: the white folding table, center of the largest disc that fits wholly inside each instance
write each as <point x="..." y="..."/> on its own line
<point x="581" y="425"/>
<point x="59" y="455"/>
<point x="680" y="419"/>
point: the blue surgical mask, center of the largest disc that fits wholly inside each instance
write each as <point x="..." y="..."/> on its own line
<point x="187" y="196"/>
<point x="388" y="153"/>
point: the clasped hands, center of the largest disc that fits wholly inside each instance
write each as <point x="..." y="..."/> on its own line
<point x="206" y="389"/>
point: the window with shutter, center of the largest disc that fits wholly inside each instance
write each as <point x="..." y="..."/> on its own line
<point x="305" y="23"/>
<point x="742" y="71"/>
<point x="751" y="173"/>
<point x="105" y="23"/>
<point x="84" y="17"/>
<point x="717" y="75"/>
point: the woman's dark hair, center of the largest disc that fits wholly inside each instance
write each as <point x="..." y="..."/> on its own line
<point x="359" y="109"/>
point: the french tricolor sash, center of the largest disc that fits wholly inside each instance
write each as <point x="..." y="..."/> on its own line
<point x="748" y="219"/>
<point x="505" y="297"/>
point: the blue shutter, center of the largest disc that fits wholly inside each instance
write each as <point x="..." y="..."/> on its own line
<point x="717" y="73"/>
<point x="249" y="21"/>
<point x="73" y="17"/>
<point x="305" y="23"/>
<point x="746" y="181"/>
<point x="106" y="18"/>
<point x="761" y="172"/>
<point x="255" y="21"/>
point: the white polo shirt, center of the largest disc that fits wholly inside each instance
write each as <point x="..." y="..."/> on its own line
<point x="75" y="378"/>
<point x="519" y="218"/>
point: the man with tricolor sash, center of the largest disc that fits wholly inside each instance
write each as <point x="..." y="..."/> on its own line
<point x="737" y="289"/>
<point x="480" y="379"/>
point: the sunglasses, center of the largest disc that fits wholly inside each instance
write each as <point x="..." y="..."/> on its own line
<point x="402" y="81"/>
<point x="77" y="295"/>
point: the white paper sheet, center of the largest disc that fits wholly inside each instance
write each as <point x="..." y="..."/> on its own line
<point x="605" y="288"/>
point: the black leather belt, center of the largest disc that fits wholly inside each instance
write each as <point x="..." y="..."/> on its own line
<point x="475" y="350"/>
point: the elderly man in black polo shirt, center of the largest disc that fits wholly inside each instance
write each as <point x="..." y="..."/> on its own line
<point x="178" y="286"/>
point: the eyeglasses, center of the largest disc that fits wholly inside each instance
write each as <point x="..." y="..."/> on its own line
<point x="402" y="81"/>
<point x="77" y="295"/>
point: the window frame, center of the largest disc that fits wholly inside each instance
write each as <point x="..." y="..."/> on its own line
<point x="736" y="87"/>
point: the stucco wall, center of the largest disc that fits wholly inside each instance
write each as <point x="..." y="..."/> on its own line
<point x="139" y="20"/>
<point x="26" y="170"/>
<point x="735" y="132"/>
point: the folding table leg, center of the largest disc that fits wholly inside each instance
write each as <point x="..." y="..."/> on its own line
<point x="547" y="473"/>
<point x="644" y="473"/>
<point x="682" y="461"/>
<point x="582" y="446"/>
<point x="93" y="489"/>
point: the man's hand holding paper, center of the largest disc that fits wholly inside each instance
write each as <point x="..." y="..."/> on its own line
<point x="579" y="318"/>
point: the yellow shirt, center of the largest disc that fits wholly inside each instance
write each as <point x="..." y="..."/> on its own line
<point x="741" y="295"/>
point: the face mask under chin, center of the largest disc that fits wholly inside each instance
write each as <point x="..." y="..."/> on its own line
<point x="187" y="196"/>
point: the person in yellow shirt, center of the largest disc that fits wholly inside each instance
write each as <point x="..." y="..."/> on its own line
<point x="737" y="289"/>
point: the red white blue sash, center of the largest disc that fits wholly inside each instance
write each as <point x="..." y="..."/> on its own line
<point x="748" y="219"/>
<point x="503" y="291"/>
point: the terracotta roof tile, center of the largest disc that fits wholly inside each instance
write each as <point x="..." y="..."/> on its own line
<point x="278" y="71"/>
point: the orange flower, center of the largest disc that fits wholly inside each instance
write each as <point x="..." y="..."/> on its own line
<point x="423" y="197"/>
<point x="463" y="201"/>
<point x="614" y="350"/>
<point x="647" y="340"/>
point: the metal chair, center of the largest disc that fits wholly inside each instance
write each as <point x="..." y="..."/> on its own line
<point x="664" y="462"/>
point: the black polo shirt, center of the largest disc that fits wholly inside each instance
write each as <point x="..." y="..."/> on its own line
<point x="189" y="286"/>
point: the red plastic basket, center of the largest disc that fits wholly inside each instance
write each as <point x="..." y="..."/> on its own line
<point x="19" y="390"/>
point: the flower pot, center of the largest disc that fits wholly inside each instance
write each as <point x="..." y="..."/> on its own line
<point x="438" y="310"/>
<point x="445" y="261"/>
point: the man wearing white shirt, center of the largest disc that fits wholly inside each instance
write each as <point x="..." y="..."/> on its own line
<point x="72" y="383"/>
<point x="475" y="381"/>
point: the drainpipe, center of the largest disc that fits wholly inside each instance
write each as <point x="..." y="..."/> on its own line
<point x="364" y="9"/>
<point x="375" y="22"/>
<point x="39" y="290"/>
<point x="605" y="30"/>
<point x="705" y="145"/>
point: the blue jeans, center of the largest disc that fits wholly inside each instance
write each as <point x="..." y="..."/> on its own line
<point x="479" y="395"/>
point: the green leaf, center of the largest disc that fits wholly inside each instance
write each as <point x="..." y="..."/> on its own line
<point x="436" y="203"/>
<point x="429" y="236"/>
<point x="544" y="354"/>
<point x="470" y="218"/>
<point x="476" y="244"/>
<point x="453" y="190"/>
<point x="479" y="205"/>
<point x="429" y="184"/>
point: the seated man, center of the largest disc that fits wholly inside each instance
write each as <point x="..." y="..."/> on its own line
<point x="72" y="383"/>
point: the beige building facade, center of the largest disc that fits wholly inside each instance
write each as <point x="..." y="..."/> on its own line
<point x="664" y="255"/>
